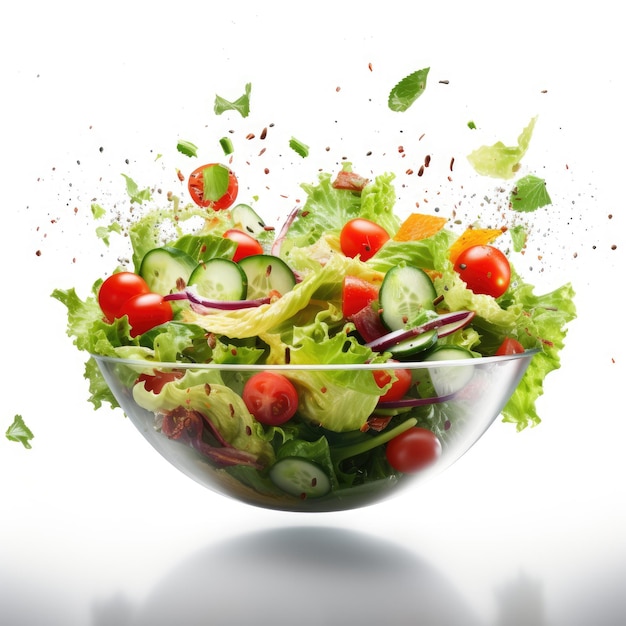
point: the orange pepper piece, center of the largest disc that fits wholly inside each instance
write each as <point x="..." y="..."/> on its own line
<point x="473" y="237"/>
<point x="419" y="226"/>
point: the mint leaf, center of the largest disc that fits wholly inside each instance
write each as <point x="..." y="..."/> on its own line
<point x="18" y="431"/>
<point x="529" y="194"/>
<point x="408" y="90"/>
<point x="135" y="194"/>
<point x="241" y="105"/>
<point x="187" y="148"/>
<point x="518" y="237"/>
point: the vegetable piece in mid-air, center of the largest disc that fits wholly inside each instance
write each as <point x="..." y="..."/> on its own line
<point x="214" y="186"/>
<point x="484" y="269"/>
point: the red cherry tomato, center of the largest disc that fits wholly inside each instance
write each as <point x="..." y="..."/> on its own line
<point x="510" y="346"/>
<point x="398" y="388"/>
<point x="246" y="244"/>
<point x="413" y="450"/>
<point x="270" y="397"/>
<point x="484" y="269"/>
<point x="357" y="293"/>
<point x="117" y="289"/>
<point x="222" y="181"/>
<point x="145" y="311"/>
<point x="362" y="237"/>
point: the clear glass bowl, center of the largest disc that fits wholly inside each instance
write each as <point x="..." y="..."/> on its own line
<point x="199" y="427"/>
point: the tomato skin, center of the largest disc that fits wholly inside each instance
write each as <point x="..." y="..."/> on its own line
<point x="350" y="181"/>
<point x="246" y="244"/>
<point x="362" y="237"/>
<point x="195" y="185"/>
<point x="413" y="450"/>
<point x="155" y="382"/>
<point x="484" y="269"/>
<point x="270" y="397"/>
<point x="117" y="289"/>
<point x="510" y="346"/>
<point x="357" y="293"/>
<point x="145" y="311"/>
<point x="399" y="387"/>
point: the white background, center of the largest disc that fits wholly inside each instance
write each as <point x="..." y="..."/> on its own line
<point x="96" y="528"/>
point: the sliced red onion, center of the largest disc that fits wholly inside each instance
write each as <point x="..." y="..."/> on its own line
<point x="224" y="305"/>
<point x="410" y="402"/>
<point x="278" y="241"/>
<point x="444" y="325"/>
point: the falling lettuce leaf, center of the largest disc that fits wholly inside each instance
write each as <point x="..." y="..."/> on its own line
<point x="136" y="195"/>
<point x="241" y="105"/>
<point x="518" y="237"/>
<point x="187" y="148"/>
<point x="18" y="431"/>
<point x="103" y="232"/>
<point x="97" y="211"/>
<point x="529" y="194"/>
<point x="298" y="147"/>
<point x="500" y="161"/>
<point x="408" y="90"/>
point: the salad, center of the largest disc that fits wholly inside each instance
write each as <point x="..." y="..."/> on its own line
<point x="345" y="282"/>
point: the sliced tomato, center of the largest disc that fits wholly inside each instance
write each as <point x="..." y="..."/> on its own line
<point x="350" y="181"/>
<point x="213" y="185"/>
<point x="357" y="293"/>
<point x="155" y="382"/>
<point x="399" y="387"/>
<point x="246" y="244"/>
<point x="510" y="346"/>
<point x="270" y="397"/>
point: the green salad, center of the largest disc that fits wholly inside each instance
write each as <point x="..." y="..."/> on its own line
<point x="344" y="281"/>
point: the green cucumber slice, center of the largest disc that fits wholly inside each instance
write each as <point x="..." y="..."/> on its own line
<point x="300" y="477"/>
<point x="404" y="293"/>
<point x="267" y="273"/>
<point x="410" y="347"/>
<point x="448" y="380"/>
<point x="247" y="219"/>
<point x="166" y="269"/>
<point x="219" y="279"/>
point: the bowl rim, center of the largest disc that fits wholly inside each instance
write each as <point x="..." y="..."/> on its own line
<point x="328" y="367"/>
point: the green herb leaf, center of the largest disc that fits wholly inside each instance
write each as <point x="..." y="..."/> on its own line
<point x="214" y="182"/>
<point x="187" y="148"/>
<point x="471" y="125"/>
<point x="297" y="146"/>
<point x="408" y="90"/>
<point x="529" y="194"/>
<point x="227" y="145"/>
<point x="518" y="237"/>
<point x="18" y="431"/>
<point x="135" y="194"/>
<point x="241" y="105"/>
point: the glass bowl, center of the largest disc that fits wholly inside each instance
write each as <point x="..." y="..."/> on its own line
<point x="199" y="422"/>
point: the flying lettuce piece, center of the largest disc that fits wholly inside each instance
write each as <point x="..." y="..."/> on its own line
<point x="18" y="431"/>
<point x="241" y="104"/>
<point x="529" y="194"/>
<point x="499" y="160"/>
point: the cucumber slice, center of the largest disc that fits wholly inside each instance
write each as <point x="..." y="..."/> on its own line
<point x="300" y="477"/>
<point x="448" y="380"/>
<point x="404" y="293"/>
<point x="220" y="279"/>
<point x="246" y="218"/>
<point x="166" y="269"/>
<point x="410" y="347"/>
<point x="267" y="273"/>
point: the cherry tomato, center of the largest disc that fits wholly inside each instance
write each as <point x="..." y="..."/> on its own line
<point x="145" y="311"/>
<point x="222" y="181"/>
<point x="510" y="346"/>
<point x="398" y="388"/>
<point x="413" y="450"/>
<point x="362" y="237"/>
<point x="270" y="397"/>
<point x="117" y="289"/>
<point x="357" y="293"/>
<point x="156" y="381"/>
<point x="246" y="244"/>
<point x="484" y="269"/>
